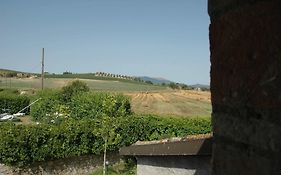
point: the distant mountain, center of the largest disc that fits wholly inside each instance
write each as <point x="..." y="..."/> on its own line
<point x="155" y="80"/>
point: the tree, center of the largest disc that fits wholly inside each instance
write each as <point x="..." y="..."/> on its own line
<point x="66" y="72"/>
<point x="107" y="130"/>
<point x="148" y="82"/>
<point x="173" y="85"/>
<point x="72" y="89"/>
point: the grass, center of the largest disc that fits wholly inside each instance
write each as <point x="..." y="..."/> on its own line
<point x="120" y="168"/>
<point x="98" y="85"/>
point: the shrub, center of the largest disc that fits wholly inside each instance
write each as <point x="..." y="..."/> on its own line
<point x="13" y="102"/>
<point x="82" y="105"/>
<point x="47" y="106"/>
<point x="25" y="144"/>
<point x="91" y="105"/>
<point x="72" y="89"/>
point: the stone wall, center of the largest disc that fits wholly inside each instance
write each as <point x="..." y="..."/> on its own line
<point x="82" y="165"/>
<point x="245" y="45"/>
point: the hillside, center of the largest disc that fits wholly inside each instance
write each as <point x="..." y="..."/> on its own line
<point x="94" y="84"/>
<point x="155" y="80"/>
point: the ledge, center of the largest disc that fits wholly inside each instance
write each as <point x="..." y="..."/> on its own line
<point x="190" y="145"/>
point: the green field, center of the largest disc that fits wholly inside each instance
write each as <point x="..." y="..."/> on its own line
<point x="99" y="85"/>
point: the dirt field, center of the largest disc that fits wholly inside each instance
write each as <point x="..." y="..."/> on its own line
<point x="175" y="103"/>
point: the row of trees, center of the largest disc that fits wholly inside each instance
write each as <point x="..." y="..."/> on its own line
<point x="104" y="74"/>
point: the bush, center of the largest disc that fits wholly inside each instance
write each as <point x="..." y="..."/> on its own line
<point x="13" y="102"/>
<point x="82" y="105"/>
<point x="25" y="144"/>
<point x="47" y="106"/>
<point x="91" y="105"/>
<point x="75" y="87"/>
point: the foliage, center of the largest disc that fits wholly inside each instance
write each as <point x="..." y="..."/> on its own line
<point x="8" y="91"/>
<point x="93" y="104"/>
<point x="148" y="82"/>
<point x="121" y="168"/>
<point x="179" y="86"/>
<point x="47" y="106"/>
<point x="74" y="88"/>
<point x="12" y="101"/>
<point x="82" y="105"/>
<point x="25" y="144"/>
<point x="173" y="85"/>
<point x="66" y="72"/>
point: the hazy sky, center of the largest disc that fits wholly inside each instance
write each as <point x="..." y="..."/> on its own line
<point x="157" y="38"/>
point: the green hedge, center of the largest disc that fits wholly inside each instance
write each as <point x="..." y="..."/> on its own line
<point x="25" y="144"/>
<point x="47" y="105"/>
<point x="82" y="105"/>
<point x="14" y="102"/>
<point x="93" y="104"/>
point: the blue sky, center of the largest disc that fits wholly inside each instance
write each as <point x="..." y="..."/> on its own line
<point x="157" y="38"/>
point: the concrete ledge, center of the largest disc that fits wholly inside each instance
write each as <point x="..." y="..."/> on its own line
<point x="190" y="145"/>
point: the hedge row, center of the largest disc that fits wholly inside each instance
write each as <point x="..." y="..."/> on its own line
<point x="82" y="105"/>
<point x="13" y="102"/>
<point x="22" y="144"/>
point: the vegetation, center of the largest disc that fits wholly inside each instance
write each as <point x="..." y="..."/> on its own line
<point x="179" y="86"/>
<point x="12" y="102"/>
<point x="94" y="104"/>
<point x="52" y="107"/>
<point x="25" y="144"/>
<point x="127" y="167"/>
<point x="97" y="84"/>
<point x="72" y="89"/>
<point x="75" y="121"/>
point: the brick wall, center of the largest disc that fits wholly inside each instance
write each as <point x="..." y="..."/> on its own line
<point x="245" y="44"/>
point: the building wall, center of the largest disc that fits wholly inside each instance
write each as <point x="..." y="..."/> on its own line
<point x="245" y="45"/>
<point x="173" y="165"/>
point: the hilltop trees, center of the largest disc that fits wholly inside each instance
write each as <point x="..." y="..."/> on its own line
<point x="104" y="74"/>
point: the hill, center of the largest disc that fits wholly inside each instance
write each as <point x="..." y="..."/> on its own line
<point x="155" y="80"/>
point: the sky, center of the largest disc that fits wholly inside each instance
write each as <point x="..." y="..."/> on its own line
<point x="156" y="38"/>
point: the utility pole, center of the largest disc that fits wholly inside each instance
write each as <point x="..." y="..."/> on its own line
<point x="42" y="73"/>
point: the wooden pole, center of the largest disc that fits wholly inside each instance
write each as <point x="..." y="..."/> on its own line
<point x="104" y="157"/>
<point x="42" y="73"/>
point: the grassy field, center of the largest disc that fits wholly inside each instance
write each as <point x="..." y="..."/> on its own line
<point x="99" y="85"/>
